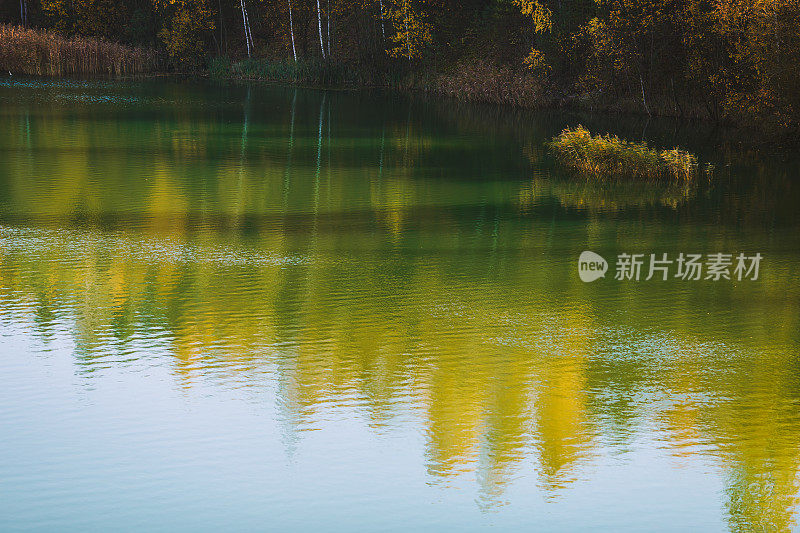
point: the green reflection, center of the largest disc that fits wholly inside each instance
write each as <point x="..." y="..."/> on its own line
<point x="392" y="256"/>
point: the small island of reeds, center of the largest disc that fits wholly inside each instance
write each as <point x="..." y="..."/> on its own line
<point x="605" y="156"/>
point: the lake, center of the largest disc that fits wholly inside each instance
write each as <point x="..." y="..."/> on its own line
<point x="268" y="308"/>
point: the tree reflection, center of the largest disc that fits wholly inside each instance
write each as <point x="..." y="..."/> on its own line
<point x="388" y="290"/>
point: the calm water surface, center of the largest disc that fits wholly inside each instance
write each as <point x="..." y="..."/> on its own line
<point x="265" y="308"/>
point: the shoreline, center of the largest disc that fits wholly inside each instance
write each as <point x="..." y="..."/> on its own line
<point x="624" y="109"/>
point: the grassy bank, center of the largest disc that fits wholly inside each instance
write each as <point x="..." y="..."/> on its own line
<point x="603" y="156"/>
<point x="306" y="72"/>
<point x="479" y="78"/>
<point x="46" y="53"/>
<point x="478" y="81"/>
<point x="484" y="81"/>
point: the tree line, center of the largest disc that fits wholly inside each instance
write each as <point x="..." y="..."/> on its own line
<point x="706" y="58"/>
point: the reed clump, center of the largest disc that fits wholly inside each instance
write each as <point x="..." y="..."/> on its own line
<point x="45" y="53"/>
<point x="610" y="156"/>
<point x="482" y="81"/>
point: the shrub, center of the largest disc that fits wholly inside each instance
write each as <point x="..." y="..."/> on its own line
<point x="609" y="156"/>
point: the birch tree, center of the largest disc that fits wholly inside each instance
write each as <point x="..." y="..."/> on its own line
<point x="248" y="36"/>
<point x="291" y="32"/>
<point x="23" y="12"/>
<point x="383" y="18"/>
<point x="328" y="10"/>
<point x="319" y="25"/>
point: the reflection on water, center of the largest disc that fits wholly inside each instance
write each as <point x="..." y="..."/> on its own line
<point x="359" y="306"/>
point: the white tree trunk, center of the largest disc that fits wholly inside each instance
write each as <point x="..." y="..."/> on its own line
<point x="319" y="25"/>
<point x="244" y="25"/>
<point x="291" y="32"/>
<point x="249" y="31"/>
<point x="248" y="37"/>
<point x="328" y="9"/>
<point x="383" y="31"/>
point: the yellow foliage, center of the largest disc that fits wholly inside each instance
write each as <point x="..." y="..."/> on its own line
<point x="610" y="156"/>
<point x="86" y="17"/>
<point x="541" y="15"/>
<point x="536" y="62"/>
<point x="411" y="31"/>
<point x="190" y="22"/>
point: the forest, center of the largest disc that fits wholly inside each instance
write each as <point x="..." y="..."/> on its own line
<point x="723" y="60"/>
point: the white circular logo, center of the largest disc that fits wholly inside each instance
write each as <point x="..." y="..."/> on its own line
<point x="591" y="266"/>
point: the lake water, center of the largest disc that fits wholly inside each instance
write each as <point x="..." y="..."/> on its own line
<point x="267" y="308"/>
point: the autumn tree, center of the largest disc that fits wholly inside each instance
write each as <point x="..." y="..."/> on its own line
<point x="96" y="18"/>
<point x="187" y="29"/>
<point x="411" y="32"/>
<point x="542" y="22"/>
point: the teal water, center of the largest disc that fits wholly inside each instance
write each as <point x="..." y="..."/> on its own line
<point x="268" y="308"/>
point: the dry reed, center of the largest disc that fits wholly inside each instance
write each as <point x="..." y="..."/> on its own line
<point x="46" y="53"/>
<point x="481" y="81"/>
<point x="610" y="156"/>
